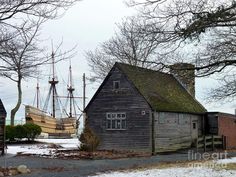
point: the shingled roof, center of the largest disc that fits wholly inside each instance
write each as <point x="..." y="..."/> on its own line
<point x="2" y="109"/>
<point x="161" y="90"/>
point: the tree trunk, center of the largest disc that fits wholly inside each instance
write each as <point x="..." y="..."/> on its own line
<point x="19" y="100"/>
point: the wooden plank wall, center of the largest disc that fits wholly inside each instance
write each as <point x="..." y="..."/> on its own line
<point x="212" y="123"/>
<point x="137" y="135"/>
<point x="2" y="127"/>
<point x="174" y="131"/>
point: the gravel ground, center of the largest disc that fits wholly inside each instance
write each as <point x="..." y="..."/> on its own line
<point x="43" y="167"/>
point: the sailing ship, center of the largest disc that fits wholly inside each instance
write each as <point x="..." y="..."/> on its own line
<point x="60" y="122"/>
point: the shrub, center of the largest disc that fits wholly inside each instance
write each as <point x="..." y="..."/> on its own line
<point x="10" y="133"/>
<point x="20" y="132"/>
<point x="32" y="131"/>
<point x="89" y="141"/>
<point x="29" y="131"/>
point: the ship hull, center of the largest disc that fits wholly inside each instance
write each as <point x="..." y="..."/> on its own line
<point x="51" y="127"/>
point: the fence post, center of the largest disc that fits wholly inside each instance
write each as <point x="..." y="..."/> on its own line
<point x="213" y="144"/>
<point x="204" y="143"/>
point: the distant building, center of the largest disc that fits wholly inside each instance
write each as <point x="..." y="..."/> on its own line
<point x="144" y="110"/>
<point x="222" y="124"/>
<point x="3" y="115"/>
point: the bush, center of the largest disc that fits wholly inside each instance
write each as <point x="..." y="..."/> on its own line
<point x="89" y="141"/>
<point x="20" y="132"/>
<point x="29" y="131"/>
<point x="32" y="131"/>
<point x="10" y="133"/>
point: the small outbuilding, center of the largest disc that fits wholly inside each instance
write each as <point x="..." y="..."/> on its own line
<point x="145" y="110"/>
<point x="222" y="124"/>
<point x="3" y="115"/>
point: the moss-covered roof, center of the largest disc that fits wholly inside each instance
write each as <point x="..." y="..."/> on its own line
<point x="161" y="90"/>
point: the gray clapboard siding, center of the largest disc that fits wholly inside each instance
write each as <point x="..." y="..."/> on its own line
<point x="174" y="133"/>
<point x="175" y="130"/>
<point x="137" y="135"/>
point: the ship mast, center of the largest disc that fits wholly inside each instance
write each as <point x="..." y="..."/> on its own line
<point x="53" y="83"/>
<point x="70" y="90"/>
<point x="37" y="95"/>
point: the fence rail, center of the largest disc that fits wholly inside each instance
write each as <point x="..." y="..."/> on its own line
<point x="211" y="141"/>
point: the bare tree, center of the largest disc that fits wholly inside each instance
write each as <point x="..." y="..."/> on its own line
<point x="208" y="24"/>
<point x="185" y="20"/>
<point x="21" y="57"/>
<point x="15" y="13"/>
<point x="39" y="8"/>
<point x="127" y="46"/>
<point x="19" y="50"/>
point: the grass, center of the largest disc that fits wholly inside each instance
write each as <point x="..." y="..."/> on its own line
<point x="229" y="166"/>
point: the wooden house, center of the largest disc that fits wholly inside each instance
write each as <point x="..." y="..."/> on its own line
<point x="3" y="115"/>
<point x="145" y="110"/>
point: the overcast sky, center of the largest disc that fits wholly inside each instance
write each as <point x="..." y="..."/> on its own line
<point x="87" y="24"/>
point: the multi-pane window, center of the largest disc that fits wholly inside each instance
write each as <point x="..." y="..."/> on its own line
<point x="116" y="121"/>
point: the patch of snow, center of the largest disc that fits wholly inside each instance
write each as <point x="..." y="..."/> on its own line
<point x="173" y="172"/>
<point x="43" y="149"/>
<point x="225" y="161"/>
<point x="65" y="143"/>
<point x="29" y="149"/>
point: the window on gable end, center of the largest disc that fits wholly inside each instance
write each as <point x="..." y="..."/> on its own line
<point x="116" y="85"/>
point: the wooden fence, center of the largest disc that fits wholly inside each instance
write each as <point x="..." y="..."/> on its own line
<point x="211" y="141"/>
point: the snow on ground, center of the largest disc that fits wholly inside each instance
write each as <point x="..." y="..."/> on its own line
<point x="173" y="172"/>
<point x="225" y="161"/>
<point x="29" y="149"/>
<point x="65" y="143"/>
<point x="212" y="169"/>
<point x="44" y="148"/>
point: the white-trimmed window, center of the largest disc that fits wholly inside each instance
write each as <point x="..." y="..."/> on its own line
<point x="116" y="121"/>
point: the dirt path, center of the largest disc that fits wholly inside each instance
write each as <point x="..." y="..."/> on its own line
<point x="42" y="167"/>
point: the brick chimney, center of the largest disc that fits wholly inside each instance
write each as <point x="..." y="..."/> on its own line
<point x="183" y="73"/>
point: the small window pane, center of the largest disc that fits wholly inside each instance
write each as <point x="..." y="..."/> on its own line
<point x="108" y="115"/>
<point x="123" y="124"/>
<point x="118" y="124"/>
<point x="108" y="124"/>
<point x="116" y="84"/>
<point x="113" y="116"/>
<point x="113" y="124"/>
